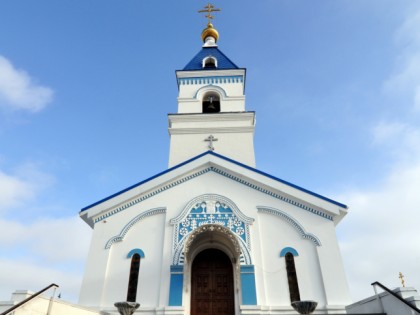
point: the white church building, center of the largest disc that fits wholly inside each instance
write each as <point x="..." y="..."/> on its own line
<point x="212" y="234"/>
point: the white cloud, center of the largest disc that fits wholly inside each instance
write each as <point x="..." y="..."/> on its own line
<point x="417" y="99"/>
<point x="13" y="191"/>
<point x="36" y="254"/>
<point x="44" y="236"/>
<point x="379" y="238"/>
<point x="18" y="91"/>
<point x="402" y="140"/>
<point x="384" y="132"/>
<point x="406" y="79"/>
<point x="21" y="186"/>
<point x="24" y="274"/>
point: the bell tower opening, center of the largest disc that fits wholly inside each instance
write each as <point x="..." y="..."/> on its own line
<point x="211" y="103"/>
<point x="210" y="62"/>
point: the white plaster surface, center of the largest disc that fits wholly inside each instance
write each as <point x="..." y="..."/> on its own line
<point x="386" y="303"/>
<point x="41" y="304"/>
<point x="319" y="267"/>
<point x="109" y="268"/>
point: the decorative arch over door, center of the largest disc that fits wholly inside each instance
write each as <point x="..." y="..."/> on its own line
<point x="211" y="209"/>
<point x="205" y="219"/>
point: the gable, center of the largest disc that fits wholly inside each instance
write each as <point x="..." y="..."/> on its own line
<point x="210" y="162"/>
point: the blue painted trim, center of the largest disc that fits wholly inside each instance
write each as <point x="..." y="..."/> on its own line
<point x="244" y="76"/>
<point x="228" y="79"/>
<point x="247" y="269"/>
<point x="145" y="181"/>
<point x="272" y="194"/>
<point x="279" y="180"/>
<point x="286" y="250"/>
<point x="135" y="251"/>
<point x="175" y="287"/>
<point x="226" y="159"/>
<point x="249" y="292"/>
<point x="177" y="269"/>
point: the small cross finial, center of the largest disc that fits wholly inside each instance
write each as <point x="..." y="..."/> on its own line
<point x="401" y="276"/>
<point x="209" y="8"/>
<point x="211" y="139"/>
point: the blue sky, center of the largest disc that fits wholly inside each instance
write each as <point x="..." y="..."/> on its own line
<point x="85" y="87"/>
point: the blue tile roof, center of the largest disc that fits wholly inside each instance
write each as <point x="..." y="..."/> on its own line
<point x="223" y="62"/>
<point x="224" y="158"/>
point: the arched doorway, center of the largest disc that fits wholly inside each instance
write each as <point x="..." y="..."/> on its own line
<point x="212" y="290"/>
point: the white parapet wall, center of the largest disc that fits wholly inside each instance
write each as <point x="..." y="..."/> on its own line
<point x="384" y="302"/>
<point x="41" y="304"/>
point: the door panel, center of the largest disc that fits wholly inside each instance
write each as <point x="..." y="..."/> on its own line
<point x="212" y="284"/>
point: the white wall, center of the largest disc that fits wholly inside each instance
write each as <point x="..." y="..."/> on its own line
<point x="269" y="235"/>
<point x="40" y="304"/>
<point x="386" y="303"/>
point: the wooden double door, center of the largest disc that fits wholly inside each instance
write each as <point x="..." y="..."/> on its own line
<point x="212" y="291"/>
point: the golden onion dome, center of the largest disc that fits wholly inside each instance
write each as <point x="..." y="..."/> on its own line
<point x="210" y="31"/>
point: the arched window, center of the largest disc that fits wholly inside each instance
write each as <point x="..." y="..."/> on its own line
<point x="211" y="103"/>
<point x="134" y="278"/>
<point x="210" y="62"/>
<point x="291" y="277"/>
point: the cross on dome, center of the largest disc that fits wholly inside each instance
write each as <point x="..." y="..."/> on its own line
<point x="209" y="33"/>
<point x="209" y="8"/>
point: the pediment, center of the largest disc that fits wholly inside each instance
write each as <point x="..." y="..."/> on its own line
<point x="223" y="166"/>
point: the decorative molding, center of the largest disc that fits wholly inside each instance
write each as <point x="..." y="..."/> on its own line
<point x="212" y="197"/>
<point x="129" y="225"/>
<point x="150" y="194"/>
<point x="200" y="130"/>
<point x="211" y="80"/>
<point x="199" y="173"/>
<point x="215" y="117"/>
<point x="205" y="210"/>
<point x="293" y="222"/>
<point x="273" y="194"/>
<point x="210" y="73"/>
<point x="291" y="250"/>
<point x="136" y="251"/>
<point x="212" y="228"/>
<point x="214" y="88"/>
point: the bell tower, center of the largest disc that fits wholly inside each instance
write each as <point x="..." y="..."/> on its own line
<point x="211" y="106"/>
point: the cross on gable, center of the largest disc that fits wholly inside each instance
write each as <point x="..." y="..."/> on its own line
<point x="211" y="139"/>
